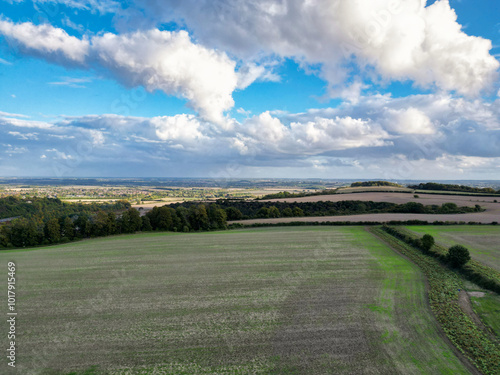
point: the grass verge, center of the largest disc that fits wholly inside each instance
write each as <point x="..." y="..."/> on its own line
<point x="444" y="287"/>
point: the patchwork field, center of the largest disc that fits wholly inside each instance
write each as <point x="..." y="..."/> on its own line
<point x="491" y="213"/>
<point x="483" y="242"/>
<point x="308" y="300"/>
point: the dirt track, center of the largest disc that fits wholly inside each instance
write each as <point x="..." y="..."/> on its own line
<point x="491" y="214"/>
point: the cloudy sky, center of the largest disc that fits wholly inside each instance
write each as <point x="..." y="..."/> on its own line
<point x="394" y="89"/>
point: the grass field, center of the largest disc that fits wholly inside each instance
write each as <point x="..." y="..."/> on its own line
<point x="483" y="242"/>
<point x="308" y="300"/>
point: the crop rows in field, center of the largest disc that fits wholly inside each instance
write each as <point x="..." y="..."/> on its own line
<point x="274" y="300"/>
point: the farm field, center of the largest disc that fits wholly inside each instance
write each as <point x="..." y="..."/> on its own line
<point x="491" y="213"/>
<point x="483" y="242"/>
<point x="308" y="300"/>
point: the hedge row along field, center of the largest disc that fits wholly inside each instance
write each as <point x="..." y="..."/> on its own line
<point x="444" y="286"/>
<point x="308" y="300"/>
<point x="483" y="242"/>
<point x="485" y="277"/>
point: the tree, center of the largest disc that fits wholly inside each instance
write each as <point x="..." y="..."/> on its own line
<point x="24" y="233"/>
<point x="219" y="219"/>
<point x="233" y="213"/>
<point x="198" y="217"/>
<point x="458" y="256"/>
<point x="52" y="230"/>
<point x="111" y="223"/>
<point x="274" y="211"/>
<point x="298" y="212"/>
<point x="182" y="214"/>
<point x="135" y="219"/>
<point x="287" y="212"/>
<point x="146" y="224"/>
<point x="68" y="228"/>
<point x="263" y="212"/>
<point x="100" y="224"/>
<point x="427" y="242"/>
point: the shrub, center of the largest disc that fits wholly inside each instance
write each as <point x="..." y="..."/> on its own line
<point x="458" y="256"/>
<point x="427" y="242"/>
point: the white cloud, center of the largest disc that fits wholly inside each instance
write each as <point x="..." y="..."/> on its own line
<point x="59" y="154"/>
<point x="180" y="129"/>
<point x="24" y="136"/>
<point x="264" y="134"/>
<point x="154" y="59"/>
<point x="24" y="123"/>
<point x="97" y="137"/>
<point x="252" y="72"/>
<point x="71" y="82"/>
<point x="7" y="114"/>
<point x="402" y="39"/>
<point x="46" y="40"/>
<point x="169" y="61"/>
<point x="409" y="121"/>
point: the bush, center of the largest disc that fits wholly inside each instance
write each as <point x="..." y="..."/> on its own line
<point x="458" y="256"/>
<point x="427" y="242"/>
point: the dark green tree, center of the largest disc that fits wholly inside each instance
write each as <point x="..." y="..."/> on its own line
<point x="146" y="224"/>
<point x="52" y="231"/>
<point x="274" y="211"/>
<point x="427" y="242"/>
<point x="458" y="256"/>
<point x="263" y="212"/>
<point x="198" y="217"/>
<point x="68" y="228"/>
<point x="233" y="214"/>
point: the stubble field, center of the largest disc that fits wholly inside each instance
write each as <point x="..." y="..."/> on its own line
<point x="272" y="301"/>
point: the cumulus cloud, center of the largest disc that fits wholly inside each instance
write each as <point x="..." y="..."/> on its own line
<point x="46" y="41"/>
<point x="154" y="59"/>
<point x="184" y="130"/>
<point x="409" y="121"/>
<point x="169" y="61"/>
<point x="402" y="39"/>
<point x="264" y="133"/>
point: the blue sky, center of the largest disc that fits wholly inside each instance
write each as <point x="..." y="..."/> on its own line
<point x="394" y="89"/>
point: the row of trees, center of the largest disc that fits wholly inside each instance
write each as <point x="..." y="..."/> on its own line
<point x="374" y="183"/>
<point x="449" y="187"/>
<point x="14" y="206"/>
<point x="241" y="209"/>
<point x="457" y="255"/>
<point x="25" y="232"/>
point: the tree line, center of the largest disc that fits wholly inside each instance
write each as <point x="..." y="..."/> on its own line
<point x="25" y="232"/>
<point x="374" y="183"/>
<point x="14" y="206"/>
<point x="448" y="187"/>
<point x="244" y="209"/>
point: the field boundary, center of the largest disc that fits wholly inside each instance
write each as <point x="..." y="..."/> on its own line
<point x="465" y="361"/>
<point x="444" y="286"/>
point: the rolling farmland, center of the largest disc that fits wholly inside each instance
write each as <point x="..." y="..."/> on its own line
<point x="271" y="301"/>
<point x="491" y="213"/>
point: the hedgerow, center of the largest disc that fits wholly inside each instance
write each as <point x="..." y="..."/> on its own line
<point x="444" y="287"/>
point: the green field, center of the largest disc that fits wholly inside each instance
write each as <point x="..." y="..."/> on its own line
<point x="305" y="300"/>
<point x="483" y="241"/>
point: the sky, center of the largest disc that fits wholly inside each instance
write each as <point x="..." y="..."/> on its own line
<point x="386" y="89"/>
